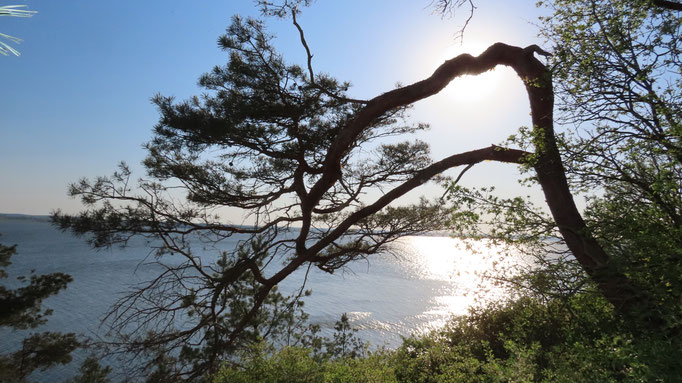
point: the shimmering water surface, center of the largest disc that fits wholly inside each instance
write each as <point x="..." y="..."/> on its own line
<point x="422" y="283"/>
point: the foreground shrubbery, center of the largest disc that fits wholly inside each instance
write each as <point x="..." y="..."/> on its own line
<point x="573" y="340"/>
<point x="296" y="364"/>
<point x="568" y="340"/>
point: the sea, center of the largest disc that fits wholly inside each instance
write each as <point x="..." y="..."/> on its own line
<point x="416" y="287"/>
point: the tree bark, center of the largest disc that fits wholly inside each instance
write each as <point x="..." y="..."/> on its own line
<point x="616" y="287"/>
<point x="672" y="5"/>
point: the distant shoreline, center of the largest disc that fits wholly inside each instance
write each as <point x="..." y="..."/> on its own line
<point x="26" y="217"/>
<point x="46" y="218"/>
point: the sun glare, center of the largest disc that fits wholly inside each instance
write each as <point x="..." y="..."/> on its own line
<point x="461" y="272"/>
<point x="470" y="89"/>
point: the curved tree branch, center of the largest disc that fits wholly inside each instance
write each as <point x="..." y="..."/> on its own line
<point x="667" y="4"/>
<point x="617" y="288"/>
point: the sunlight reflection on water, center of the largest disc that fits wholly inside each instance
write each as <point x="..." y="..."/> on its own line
<point x="464" y="266"/>
<point x="416" y="286"/>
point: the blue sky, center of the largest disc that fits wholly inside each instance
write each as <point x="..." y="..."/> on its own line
<point x="76" y="102"/>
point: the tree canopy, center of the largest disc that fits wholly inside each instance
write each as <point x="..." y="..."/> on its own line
<point x="617" y="69"/>
<point x="291" y="149"/>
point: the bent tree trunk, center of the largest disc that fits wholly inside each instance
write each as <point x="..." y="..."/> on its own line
<point x="616" y="287"/>
<point x="619" y="290"/>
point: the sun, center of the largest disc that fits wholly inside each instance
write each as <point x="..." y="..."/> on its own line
<point x="470" y="89"/>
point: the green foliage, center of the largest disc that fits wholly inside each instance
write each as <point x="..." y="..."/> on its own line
<point x="573" y="340"/>
<point x="296" y="364"/>
<point x="280" y="320"/>
<point x="619" y="76"/>
<point x="284" y="145"/>
<point x="342" y="358"/>
<point x="345" y="344"/>
<point x="618" y="79"/>
<point x="290" y="364"/>
<point x="647" y="247"/>
<point x="39" y="352"/>
<point x="617" y="70"/>
<point x="92" y="372"/>
<point x="165" y="369"/>
<point x="577" y="339"/>
<point x="265" y="140"/>
<point x="21" y="309"/>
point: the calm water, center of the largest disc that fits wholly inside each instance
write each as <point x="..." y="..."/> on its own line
<point x="432" y="278"/>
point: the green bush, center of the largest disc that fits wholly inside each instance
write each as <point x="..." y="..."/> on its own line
<point x="297" y="364"/>
<point x="573" y="339"/>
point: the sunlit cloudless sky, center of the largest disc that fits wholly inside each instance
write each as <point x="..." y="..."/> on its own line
<point x="76" y="102"/>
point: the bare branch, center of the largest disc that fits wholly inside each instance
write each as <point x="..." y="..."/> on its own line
<point x="307" y="49"/>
